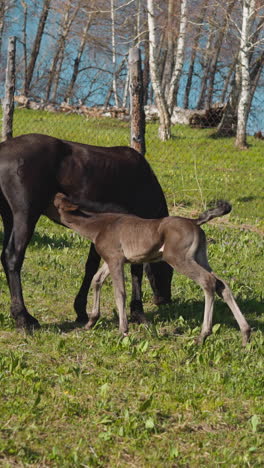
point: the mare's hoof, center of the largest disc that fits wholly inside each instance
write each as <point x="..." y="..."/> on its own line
<point x="138" y="317"/>
<point x="27" y="322"/>
<point x="81" y="320"/>
<point x="160" y="300"/>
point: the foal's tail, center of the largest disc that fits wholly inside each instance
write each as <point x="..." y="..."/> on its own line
<point x="222" y="208"/>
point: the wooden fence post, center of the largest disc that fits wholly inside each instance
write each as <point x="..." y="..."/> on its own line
<point x="8" y="101"/>
<point x="137" y="114"/>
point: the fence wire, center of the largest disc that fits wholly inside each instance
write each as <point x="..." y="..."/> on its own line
<point x="194" y="167"/>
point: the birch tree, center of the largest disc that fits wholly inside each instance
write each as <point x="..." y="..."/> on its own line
<point x="164" y="128"/>
<point x="77" y="60"/>
<point x="197" y="37"/>
<point x="178" y="58"/>
<point x="56" y="65"/>
<point x="114" y="51"/>
<point x="167" y="71"/>
<point x="36" y="45"/>
<point x="3" y="10"/>
<point x="248" y="13"/>
<point x="216" y="52"/>
<point x="206" y="61"/>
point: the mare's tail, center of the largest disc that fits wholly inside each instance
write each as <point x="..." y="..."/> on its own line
<point x="222" y="208"/>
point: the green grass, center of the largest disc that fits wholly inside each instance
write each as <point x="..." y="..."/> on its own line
<point x="72" y="398"/>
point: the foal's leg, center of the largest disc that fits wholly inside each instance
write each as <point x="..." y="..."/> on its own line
<point x="191" y="269"/>
<point x="225" y="293"/>
<point x="116" y="268"/>
<point x="136" y="306"/>
<point x="80" y="302"/>
<point x="97" y="283"/>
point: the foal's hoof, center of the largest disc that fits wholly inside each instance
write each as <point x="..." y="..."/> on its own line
<point x="90" y="324"/>
<point x="246" y="336"/>
<point x="199" y="340"/>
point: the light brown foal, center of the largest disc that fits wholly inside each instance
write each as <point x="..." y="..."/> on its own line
<point x="122" y="238"/>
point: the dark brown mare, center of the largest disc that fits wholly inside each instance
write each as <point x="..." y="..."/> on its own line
<point x="34" y="167"/>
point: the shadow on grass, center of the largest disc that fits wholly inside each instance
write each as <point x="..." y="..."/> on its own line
<point x="249" y="198"/>
<point x="45" y="240"/>
<point x="191" y="312"/>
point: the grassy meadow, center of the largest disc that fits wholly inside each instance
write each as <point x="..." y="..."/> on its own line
<point x="72" y="398"/>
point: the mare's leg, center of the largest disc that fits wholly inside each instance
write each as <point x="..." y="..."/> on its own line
<point x="80" y="302"/>
<point x="117" y="274"/>
<point x="12" y="259"/>
<point x="97" y="283"/>
<point x="159" y="275"/>
<point x="8" y="226"/>
<point x="225" y="293"/>
<point x="136" y="306"/>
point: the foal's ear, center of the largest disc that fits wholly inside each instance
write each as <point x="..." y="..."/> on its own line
<point x="62" y="202"/>
<point x="66" y="205"/>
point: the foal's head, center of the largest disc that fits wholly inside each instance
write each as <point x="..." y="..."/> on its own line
<point x="62" y="203"/>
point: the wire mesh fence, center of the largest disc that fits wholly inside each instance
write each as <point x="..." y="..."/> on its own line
<point x="193" y="167"/>
<point x="72" y="82"/>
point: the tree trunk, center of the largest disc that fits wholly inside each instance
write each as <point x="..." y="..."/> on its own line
<point x="168" y="65"/>
<point x="193" y="55"/>
<point x="245" y="47"/>
<point x="125" y="93"/>
<point x="146" y="72"/>
<point x="77" y="60"/>
<point x="8" y="101"/>
<point x="228" y="124"/>
<point x="255" y="74"/>
<point x="36" y="45"/>
<point x="137" y="113"/>
<point x="24" y="33"/>
<point x="206" y="66"/>
<point x="178" y="59"/>
<point x="55" y="69"/>
<point x="228" y="79"/>
<point x="164" y="128"/>
<point x="215" y="56"/>
<point x="114" y="86"/>
<point x="2" y="22"/>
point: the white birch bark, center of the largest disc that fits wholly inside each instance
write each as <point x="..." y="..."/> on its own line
<point x="179" y="58"/>
<point x="248" y="11"/>
<point x="10" y="83"/>
<point x="114" y="52"/>
<point x="164" y="128"/>
<point x="167" y="72"/>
